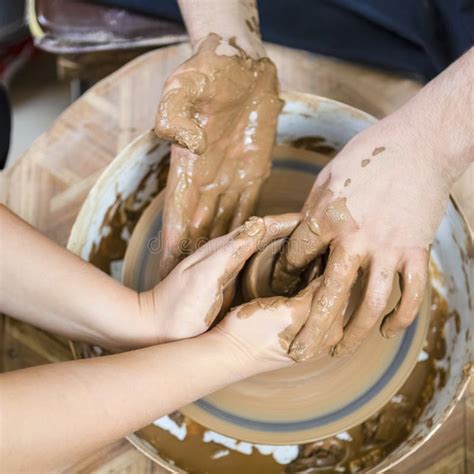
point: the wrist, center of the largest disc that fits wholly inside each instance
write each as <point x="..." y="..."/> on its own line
<point x="232" y="21"/>
<point x="434" y="143"/>
<point x="135" y="327"/>
<point x="241" y="361"/>
<point x="438" y="120"/>
<point x="232" y="44"/>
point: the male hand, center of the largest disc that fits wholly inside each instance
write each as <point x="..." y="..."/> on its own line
<point x="376" y="207"/>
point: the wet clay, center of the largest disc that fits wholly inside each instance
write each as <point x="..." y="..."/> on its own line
<point x="378" y="150"/>
<point x="191" y="447"/>
<point x="295" y="306"/>
<point x="121" y="218"/>
<point x="355" y="450"/>
<point x="314" y="143"/>
<point x="254" y="234"/>
<point x="223" y="107"/>
<point x="312" y="237"/>
<point x="257" y="283"/>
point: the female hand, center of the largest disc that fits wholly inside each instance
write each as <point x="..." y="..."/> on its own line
<point x="221" y="107"/>
<point x="187" y="302"/>
<point x="263" y="330"/>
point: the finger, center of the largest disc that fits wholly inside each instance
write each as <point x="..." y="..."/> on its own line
<point x="305" y="244"/>
<point x="371" y="309"/>
<point x="220" y="267"/>
<point x="225" y="211"/>
<point x="205" y="212"/>
<point x="301" y="306"/>
<point x="175" y="117"/>
<point x="207" y="249"/>
<point x="276" y="227"/>
<point x="414" y="280"/>
<point x="334" y="334"/>
<point x="230" y="252"/>
<point x="330" y="299"/>
<point x="247" y="203"/>
<point x="224" y="257"/>
<point x="279" y="226"/>
<point x="229" y="294"/>
<point x="180" y="200"/>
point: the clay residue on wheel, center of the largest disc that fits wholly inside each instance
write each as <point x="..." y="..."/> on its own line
<point x="123" y="215"/>
<point x="356" y="450"/>
<point x="192" y="447"/>
<point x="314" y="143"/>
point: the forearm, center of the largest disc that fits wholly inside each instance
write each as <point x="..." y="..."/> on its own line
<point x="439" y="119"/>
<point x="228" y="18"/>
<point x="47" y="286"/>
<point x="56" y="414"/>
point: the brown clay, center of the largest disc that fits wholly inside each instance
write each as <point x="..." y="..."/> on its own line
<point x="356" y="450"/>
<point x="378" y="150"/>
<point x="362" y="446"/>
<point x="222" y="106"/>
<point x="311" y="238"/>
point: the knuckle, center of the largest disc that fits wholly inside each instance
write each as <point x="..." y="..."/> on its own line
<point x="375" y="304"/>
<point x="404" y="319"/>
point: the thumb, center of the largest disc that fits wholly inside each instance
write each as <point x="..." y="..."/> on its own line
<point x="176" y="116"/>
<point x="301" y="305"/>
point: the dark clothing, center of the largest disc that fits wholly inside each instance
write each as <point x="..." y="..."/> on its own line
<point x="416" y="37"/>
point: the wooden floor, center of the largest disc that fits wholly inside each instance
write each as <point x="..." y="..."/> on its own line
<point x="49" y="183"/>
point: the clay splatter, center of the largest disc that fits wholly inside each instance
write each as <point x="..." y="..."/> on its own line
<point x="378" y="150"/>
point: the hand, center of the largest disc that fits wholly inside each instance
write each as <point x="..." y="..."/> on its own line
<point x="221" y="106"/>
<point x="377" y="206"/>
<point x="188" y="301"/>
<point x="263" y="330"/>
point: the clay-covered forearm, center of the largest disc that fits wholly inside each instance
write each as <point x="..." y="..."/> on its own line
<point x="228" y="18"/>
<point x="439" y="118"/>
<point x="54" y="415"/>
<point x="45" y="285"/>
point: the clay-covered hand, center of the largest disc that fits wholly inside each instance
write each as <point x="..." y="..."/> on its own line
<point x="376" y="206"/>
<point x="221" y="108"/>
<point x="263" y="330"/>
<point x="187" y="302"/>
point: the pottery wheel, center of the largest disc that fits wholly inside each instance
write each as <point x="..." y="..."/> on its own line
<point x="310" y="400"/>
